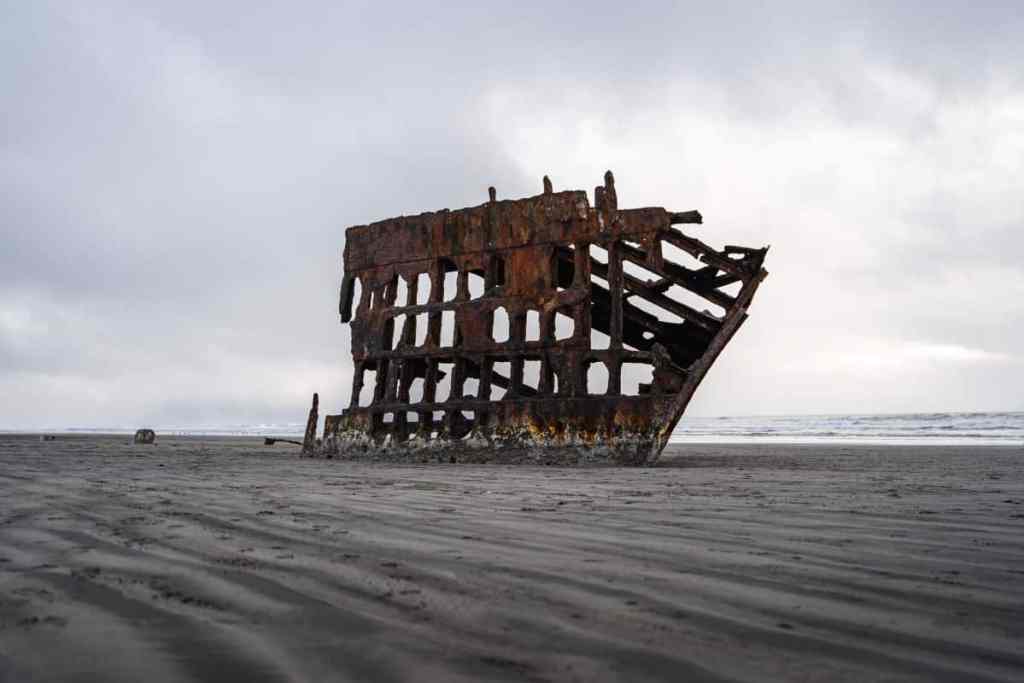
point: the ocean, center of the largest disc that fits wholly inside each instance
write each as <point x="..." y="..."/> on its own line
<point x="911" y="428"/>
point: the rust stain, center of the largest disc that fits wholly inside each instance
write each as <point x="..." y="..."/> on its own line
<point x="510" y="330"/>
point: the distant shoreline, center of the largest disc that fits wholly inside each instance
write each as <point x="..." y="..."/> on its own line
<point x="894" y="429"/>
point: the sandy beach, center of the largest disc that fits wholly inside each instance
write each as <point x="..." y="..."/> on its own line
<point x="223" y="559"/>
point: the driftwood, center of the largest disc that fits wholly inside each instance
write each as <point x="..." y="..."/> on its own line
<point x="268" y="441"/>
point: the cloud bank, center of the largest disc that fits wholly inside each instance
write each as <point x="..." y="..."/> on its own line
<point x="177" y="179"/>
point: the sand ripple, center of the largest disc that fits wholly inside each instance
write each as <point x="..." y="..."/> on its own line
<point x="224" y="560"/>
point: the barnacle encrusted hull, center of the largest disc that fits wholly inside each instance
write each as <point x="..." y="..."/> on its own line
<point x="532" y="330"/>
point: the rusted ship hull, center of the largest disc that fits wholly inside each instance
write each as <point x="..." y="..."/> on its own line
<point x="537" y="330"/>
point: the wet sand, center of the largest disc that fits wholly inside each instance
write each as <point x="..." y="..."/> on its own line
<point x="223" y="559"/>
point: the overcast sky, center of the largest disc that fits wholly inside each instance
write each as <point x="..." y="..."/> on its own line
<point x="177" y="178"/>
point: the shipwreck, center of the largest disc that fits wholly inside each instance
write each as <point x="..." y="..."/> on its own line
<point x="540" y="330"/>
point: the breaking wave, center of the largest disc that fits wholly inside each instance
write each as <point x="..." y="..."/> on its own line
<point x="938" y="428"/>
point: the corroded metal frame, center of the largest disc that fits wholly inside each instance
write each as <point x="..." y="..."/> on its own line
<point x="538" y="258"/>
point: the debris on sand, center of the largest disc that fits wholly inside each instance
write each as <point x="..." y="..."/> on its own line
<point x="145" y="436"/>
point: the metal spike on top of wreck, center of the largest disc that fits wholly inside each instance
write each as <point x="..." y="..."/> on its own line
<point x="535" y="330"/>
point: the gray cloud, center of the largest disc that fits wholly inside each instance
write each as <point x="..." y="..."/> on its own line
<point x="177" y="178"/>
